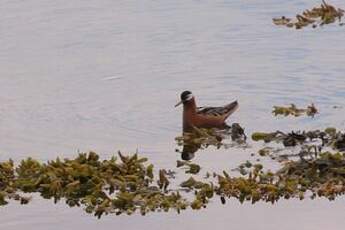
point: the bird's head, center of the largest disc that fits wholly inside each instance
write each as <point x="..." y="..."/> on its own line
<point x="185" y="97"/>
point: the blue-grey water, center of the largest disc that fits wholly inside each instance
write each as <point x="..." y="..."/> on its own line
<point x="104" y="75"/>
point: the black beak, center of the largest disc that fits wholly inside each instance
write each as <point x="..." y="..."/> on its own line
<point x="179" y="103"/>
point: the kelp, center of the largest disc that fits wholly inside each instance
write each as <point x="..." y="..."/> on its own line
<point x="311" y="110"/>
<point x="317" y="16"/>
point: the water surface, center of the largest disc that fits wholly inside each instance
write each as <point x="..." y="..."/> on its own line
<point x="104" y="75"/>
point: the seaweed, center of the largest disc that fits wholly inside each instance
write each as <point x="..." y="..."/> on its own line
<point x="323" y="176"/>
<point x="311" y="110"/>
<point x="190" y="167"/>
<point x="202" y="138"/>
<point x="6" y="178"/>
<point x="317" y="16"/>
<point x="203" y="192"/>
<point x="290" y="139"/>
<point x="126" y="184"/>
<point x="101" y="187"/>
<point x="330" y="137"/>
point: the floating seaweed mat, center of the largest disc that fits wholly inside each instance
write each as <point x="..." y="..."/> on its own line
<point x="117" y="186"/>
<point x="201" y="138"/>
<point x="311" y="110"/>
<point x="7" y="188"/>
<point x="127" y="184"/>
<point x="317" y="16"/>
<point x="323" y="176"/>
<point x="330" y="137"/>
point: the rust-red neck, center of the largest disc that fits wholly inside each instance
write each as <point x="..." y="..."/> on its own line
<point x="189" y="106"/>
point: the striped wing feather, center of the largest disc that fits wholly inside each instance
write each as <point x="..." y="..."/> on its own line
<point x="218" y="111"/>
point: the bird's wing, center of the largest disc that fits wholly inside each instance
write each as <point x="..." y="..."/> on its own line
<point x="211" y="111"/>
<point x="219" y="111"/>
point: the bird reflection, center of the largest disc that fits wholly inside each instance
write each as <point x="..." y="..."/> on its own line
<point x="188" y="151"/>
<point x="191" y="142"/>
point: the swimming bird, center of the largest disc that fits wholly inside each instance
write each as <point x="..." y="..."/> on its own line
<point x="203" y="117"/>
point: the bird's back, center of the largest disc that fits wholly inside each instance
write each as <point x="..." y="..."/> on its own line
<point x="223" y="111"/>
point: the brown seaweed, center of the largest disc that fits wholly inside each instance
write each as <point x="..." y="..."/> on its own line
<point x="126" y="186"/>
<point x="311" y="110"/>
<point x="317" y="16"/>
<point x="101" y="187"/>
<point x="190" y="167"/>
<point x="201" y="138"/>
<point x="330" y="137"/>
<point x="323" y="176"/>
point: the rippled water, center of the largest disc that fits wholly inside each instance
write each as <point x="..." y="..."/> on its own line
<point x="104" y="75"/>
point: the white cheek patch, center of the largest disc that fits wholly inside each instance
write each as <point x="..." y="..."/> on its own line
<point x="189" y="97"/>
